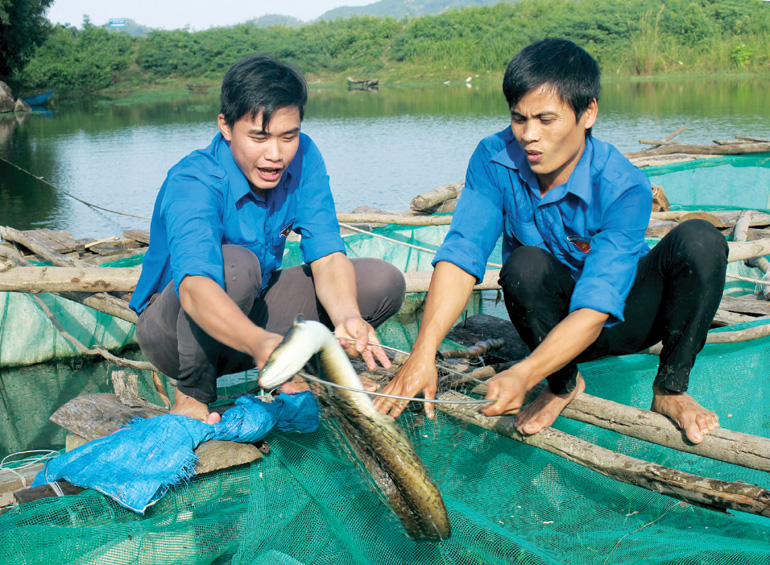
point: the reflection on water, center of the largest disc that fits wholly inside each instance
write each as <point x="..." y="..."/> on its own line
<point x="381" y="148"/>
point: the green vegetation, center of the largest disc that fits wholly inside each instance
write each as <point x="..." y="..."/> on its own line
<point x="628" y="37"/>
<point x="22" y="28"/>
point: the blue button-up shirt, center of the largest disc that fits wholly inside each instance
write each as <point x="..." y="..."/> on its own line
<point x="594" y="224"/>
<point x="206" y="202"/>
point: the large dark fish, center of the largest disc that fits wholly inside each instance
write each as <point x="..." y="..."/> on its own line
<point x="382" y="446"/>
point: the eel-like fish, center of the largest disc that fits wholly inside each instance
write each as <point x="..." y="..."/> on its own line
<point x="404" y="481"/>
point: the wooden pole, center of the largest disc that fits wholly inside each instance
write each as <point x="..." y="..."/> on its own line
<point x="702" y="149"/>
<point x="69" y="279"/>
<point x="752" y="452"/>
<point x="711" y="493"/>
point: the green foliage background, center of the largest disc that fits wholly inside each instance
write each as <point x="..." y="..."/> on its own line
<point x="628" y="37"/>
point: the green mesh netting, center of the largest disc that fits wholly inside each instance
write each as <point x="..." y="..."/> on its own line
<point x="307" y="502"/>
<point x="739" y="181"/>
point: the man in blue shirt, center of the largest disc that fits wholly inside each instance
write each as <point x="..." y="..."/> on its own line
<point x="578" y="279"/>
<point x="212" y="299"/>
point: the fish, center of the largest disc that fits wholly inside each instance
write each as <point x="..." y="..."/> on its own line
<point x="381" y="444"/>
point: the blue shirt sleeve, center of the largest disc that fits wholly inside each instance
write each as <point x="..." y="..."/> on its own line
<point x="192" y="214"/>
<point x="610" y="266"/>
<point x="316" y="215"/>
<point x="478" y="218"/>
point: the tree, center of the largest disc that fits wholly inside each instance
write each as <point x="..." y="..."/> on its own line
<point x="23" y="27"/>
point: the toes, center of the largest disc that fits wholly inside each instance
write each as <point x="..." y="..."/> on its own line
<point x="213" y="418"/>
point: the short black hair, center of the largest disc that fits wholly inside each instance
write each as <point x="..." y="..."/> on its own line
<point x="261" y="83"/>
<point x="558" y="63"/>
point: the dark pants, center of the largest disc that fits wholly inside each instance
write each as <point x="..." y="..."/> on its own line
<point x="179" y="348"/>
<point x="676" y="292"/>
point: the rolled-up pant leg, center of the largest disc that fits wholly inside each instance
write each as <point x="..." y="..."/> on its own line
<point x="182" y="350"/>
<point x="676" y="292"/>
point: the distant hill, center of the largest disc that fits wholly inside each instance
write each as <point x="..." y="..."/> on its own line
<point x="401" y="8"/>
<point x="276" y="20"/>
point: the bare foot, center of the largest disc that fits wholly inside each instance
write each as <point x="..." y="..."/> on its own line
<point x="543" y="411"/>
<point x="185" y="405"/>
<point x="691" y="417"/>
<point x="296" y="384"/>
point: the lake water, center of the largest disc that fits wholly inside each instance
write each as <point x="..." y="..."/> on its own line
<point x="381" y="148"/>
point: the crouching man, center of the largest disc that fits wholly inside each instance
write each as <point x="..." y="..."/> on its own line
<point x="578" y="279"/>
<point x="212" y="298"/>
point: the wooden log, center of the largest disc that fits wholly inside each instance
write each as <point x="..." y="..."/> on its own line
<point x="142" y="236"/>
<point x="31" y="494"/>
<point x="703" y="149"/>
<point x="19" y="478"/>
<point x="429" y="200"/>
<point x="39" y="248"/>
<point x="420" y="281"/>
<point x="752" y="452"/>
<point x="750" y="138"/>
<point x="69" y="279"/>
<point x="745" y="305"/>
<point x="702" y="491"/>
<point x="666" y="140"/>
<point x="741" y="250"/>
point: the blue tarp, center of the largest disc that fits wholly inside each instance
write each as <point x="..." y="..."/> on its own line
<point x="140" y="462"/>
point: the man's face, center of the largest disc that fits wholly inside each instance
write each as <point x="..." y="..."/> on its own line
<point x="549" y="133"/>
<point x="263" y="153"/>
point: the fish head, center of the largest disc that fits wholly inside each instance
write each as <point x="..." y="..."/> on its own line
<point x="304" y="339"/>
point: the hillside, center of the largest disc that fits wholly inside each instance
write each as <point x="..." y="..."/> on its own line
<point x="404" y="8"/>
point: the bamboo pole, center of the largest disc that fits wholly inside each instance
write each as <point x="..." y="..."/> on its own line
<point x="712" y="493"/>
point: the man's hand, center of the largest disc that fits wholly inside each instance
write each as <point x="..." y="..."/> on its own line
<point x="509" y="388"/>
<point x="417" y="375"/>
<point x="264" y="347"/>
<point x="356" y="337"/>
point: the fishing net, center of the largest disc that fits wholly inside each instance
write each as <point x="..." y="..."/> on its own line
<point x="307" y="501"/>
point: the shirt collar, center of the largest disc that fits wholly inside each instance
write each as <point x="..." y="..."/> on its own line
<point x="579" y="182"/>
<point x="239" y="186"/>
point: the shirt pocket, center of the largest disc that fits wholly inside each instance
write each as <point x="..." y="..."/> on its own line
<point x="524" y="232"/>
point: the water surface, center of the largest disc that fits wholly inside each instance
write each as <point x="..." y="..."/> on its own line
<point x="381" y="148"/>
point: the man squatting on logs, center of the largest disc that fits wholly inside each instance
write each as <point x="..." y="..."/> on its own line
<point x="212" y="298"/>
<point x="578" y="279"/>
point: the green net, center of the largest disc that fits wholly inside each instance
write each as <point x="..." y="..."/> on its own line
<point x="307" y="502"/>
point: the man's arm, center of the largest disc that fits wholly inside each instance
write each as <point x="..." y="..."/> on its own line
<point x="335" y="286"/>
<point x="450" y="288"/>
<point x="566" y="341"/>
<point x="216" y="313"/>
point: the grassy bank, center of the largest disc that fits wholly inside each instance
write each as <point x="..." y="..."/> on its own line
<point x="629" y="38"/>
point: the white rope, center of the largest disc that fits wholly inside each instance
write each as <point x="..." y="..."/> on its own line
<point x="747" y="279"/>
<point x="56" y="488"/>
<point x="410" y="398"/>
<point x="47" y="454"/>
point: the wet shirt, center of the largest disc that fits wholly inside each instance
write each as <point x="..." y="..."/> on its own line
<point x="594" y="224"/>
<point x="206" y="202"/>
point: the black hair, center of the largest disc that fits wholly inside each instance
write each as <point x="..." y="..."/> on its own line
<point x="260" y="83"/>
<point x="558" y="63"/>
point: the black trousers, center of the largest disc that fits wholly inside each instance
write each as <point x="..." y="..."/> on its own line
<point x="676" y="292"/>
<point x="180" y="349"/>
